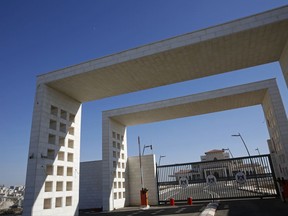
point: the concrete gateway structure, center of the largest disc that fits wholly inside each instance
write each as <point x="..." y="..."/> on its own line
<point x="52" y="181"/>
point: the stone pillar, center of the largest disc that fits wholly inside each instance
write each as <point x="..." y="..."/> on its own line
<point x="114" y="156"/>
<point x="284" y="62"/>
<point x="52" y="179"/>
<point x="278" y="129"/>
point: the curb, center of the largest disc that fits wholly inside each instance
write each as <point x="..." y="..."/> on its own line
<point x="210" y="209"/>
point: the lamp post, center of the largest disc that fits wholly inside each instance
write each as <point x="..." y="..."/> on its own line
<point x="148" y="146"/>
<point x="161" y="156"/>
<point x="257" y="149"/>
<point x="253" y="167"/>
<point x="227" y="149"/>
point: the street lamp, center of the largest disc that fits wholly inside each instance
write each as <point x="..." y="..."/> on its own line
<point x="148" y="146"/>
<point x="227" y="149"/>
<point x="161" y="156"/>
<point x="252" y="164"/>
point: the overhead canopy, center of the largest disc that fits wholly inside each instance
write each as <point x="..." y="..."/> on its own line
<point x="208" y="102"/>
<point x="243" y="43"/>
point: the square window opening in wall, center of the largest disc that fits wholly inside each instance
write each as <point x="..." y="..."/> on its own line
<point x="69" y="201"/>
<point x="122" y="147"/>
<point x="118" y="136"/>
<point x="114" y="144"/>
<point x="122" y="156"/>
<point x="70" y="157"/>
<point x="118" y="145"/>
<point x="72" y="117"/>
<point x="63" y="127"/>
<point x="54" y="110"/>
<point x="58" y="202"/>
<point x="119" y="195"/>
<point x="52" y="139"/>
<point x="119" y="184"/>
<point x="49" y="169"/>
<point x="114" y="134"/>
<point x="61" y="141"/>
<point x="53" y="124"/>
<point x="115" y="185"/>
<point x="114" y="154"/>
<point x="69" y="171"/>
<point x="69" y="186"/>
<point x="71" y="130"/>
<point x="122" y="138"/>
<point x="115" y="195"/>
<point x="114" y="164"/>
<point x="59" y="186"/>
<point x="60" y="170"/>
<point x="51" y="154"/>
<point x="114" y="174"/>
<point x="48" y="186"/>
<point x="70" y="143"/>
<point x="119" y="174"/>
<point x="61" y="156"/>
<point x="63" y="114"/>
<point x="47" y="203"/>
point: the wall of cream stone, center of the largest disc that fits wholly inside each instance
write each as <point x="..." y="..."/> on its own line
<point x="49" y="152"/>
<point x="90" y="195"/>
<point x="149" y="176"/>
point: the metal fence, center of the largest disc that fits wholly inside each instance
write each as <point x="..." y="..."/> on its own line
<point x="219" y="179"/>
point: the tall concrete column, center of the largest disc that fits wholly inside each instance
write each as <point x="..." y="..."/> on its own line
<point x="52" y="180"/>
<point x="278" y="129"/>
<point x="284" y="62"/>
<point x="114" y="156"/>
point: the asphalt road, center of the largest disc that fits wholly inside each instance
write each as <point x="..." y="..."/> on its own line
<point x="224" y="189"/>
<point x="255" y="207"/>
<point x="184" y="210"/>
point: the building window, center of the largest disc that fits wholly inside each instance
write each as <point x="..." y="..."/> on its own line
<point x="61" y="156"/>
<point x="115" y="195"/>
<point x="49" y="169"/>
<point x="51" y="154"/>
<point x="63" y="127"/>
<point x="69" y="171"/>
<point x="54" y="110"/>
<point x="70" y="143"/>
<point x="70" y="157"/>
<point x="47" y="203"/>
<point x="52" y="139"/>
<point x="63" y="114"/>
<point x="114" y="134"/>
<point x="53" y="124"/>
<point x="58" y="202"/>
<point x="69" y="186"/>
<point x="61" y="141"/>
<point x="71" y="130"/>
<point x="60" y="170"/>
<point x="48" y="186"/>
<point x="72" y="117"/>
<point x="69" y="201"/>
<point x="59" y="186"/>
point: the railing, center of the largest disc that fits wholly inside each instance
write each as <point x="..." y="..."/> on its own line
<point x="220" y="179"/>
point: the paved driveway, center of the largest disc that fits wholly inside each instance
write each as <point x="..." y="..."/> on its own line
<point x="256" y="207"/>
<point x="193" y="210"/>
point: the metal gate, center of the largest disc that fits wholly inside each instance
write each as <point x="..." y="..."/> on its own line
<point x="243" y="177"/>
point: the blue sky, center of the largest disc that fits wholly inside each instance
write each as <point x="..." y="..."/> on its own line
<point x="41" y="36"/>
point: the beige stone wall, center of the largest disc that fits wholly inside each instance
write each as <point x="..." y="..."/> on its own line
<point x="149" y="176"/>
